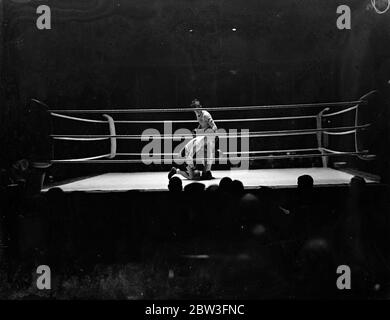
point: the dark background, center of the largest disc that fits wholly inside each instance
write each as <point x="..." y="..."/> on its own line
<point x="124" y="53"/>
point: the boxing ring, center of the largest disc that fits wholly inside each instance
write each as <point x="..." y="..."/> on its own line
<point x="319" y="115"/>
<point x="252" y="179"/>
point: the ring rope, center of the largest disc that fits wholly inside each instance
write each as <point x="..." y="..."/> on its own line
<point x="312" y="155"/>
<point x="83" y="160"/>
<point x="339" y="112"/>
<point x="182" y="121"/>
<point x="361" y="155"/>
<point x="271" y="151"/>
<point x="339" y="133"/>
<point x="82" y="139"/>
<point x="221" y="120"/>
<point x="78" y="119"/>
<point x="237" y="108"/>
<point x="335" y="151"/>
<point x="190" y="137"/>
<point x="139" y="161"/>
<point x="224" y="153"/>
<point x="146" y="154"/>
<point x="249" y="135"/>
<point x="323" y="151"/>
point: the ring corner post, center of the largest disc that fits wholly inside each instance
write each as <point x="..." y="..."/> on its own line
<point x="320" y="139"/>
<point x="39" y="128"/>
<point x="363" y="100"/>
<point x="42" y="107"/>
<point x="368" y="95"/>
<point x="111" y="124"/>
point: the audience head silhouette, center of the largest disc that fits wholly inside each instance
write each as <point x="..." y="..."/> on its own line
<point x="195" y="187"/>
<point x="305" y="183"/>
<point x="212" y="188"/>
<point x="175" y="184"/>
<point x="237" y="187"/>
<point x="357" y="184"/>
<point x="55" y="193"/>
<point x="225" y="185"/>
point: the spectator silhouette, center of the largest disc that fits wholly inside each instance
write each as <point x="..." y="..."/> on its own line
<point x="357" y="188"/>
<point x="225" y="185"/>
<point x="305" y="183"/>
<point x="237" y="188"/>
<point x="213" y="188"/>
<point x="55" y="196"/>
<point x="195" y="187"/>
<point x="303" y="207"/>
<point x="175" y="185"/>
<point x="304" y="193"/>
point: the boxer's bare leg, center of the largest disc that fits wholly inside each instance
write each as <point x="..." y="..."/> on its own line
<point x="208" y="159"/>
<point x="190" y="173"/>
<point x="190" y="151"/>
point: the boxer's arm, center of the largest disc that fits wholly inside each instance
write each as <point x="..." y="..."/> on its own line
<point x="196" y="130"/>
<point x="210" y="122"/>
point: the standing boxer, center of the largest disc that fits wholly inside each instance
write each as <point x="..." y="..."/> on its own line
<point x="201" y="143"/>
